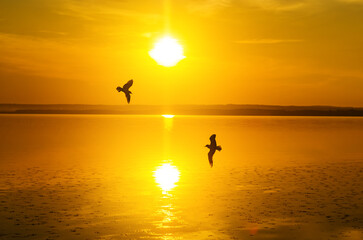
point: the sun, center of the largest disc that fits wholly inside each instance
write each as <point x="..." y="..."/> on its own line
<point x="167" y="52"/>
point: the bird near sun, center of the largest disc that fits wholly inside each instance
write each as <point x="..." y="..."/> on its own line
<point x="126" y="90"/>
<point x="212" y="148"/>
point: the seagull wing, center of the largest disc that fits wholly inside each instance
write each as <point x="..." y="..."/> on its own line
<point x="128" y="97"/>
<point x="128" y="85"/>
<point x="210" y="158"/>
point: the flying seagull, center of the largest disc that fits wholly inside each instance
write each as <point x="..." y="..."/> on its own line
<point x="212" y="148"/>
<point x="125" y="89"/>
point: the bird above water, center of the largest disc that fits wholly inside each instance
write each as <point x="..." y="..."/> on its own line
<point x="125" y="89"/>
<point x="212" y="148"/>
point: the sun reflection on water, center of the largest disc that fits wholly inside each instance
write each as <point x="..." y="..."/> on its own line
<point x="168" y="116"/>
<point x="166" y="176"/>
<point x="168" y="122"/>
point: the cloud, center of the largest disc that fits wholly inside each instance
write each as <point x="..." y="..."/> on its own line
<point x="351" y="1"/>
<point x="280" y="5"/>
<point x="208" y="6"/>
<point x="46" y="57"/>
<point x="75" y="19"/>
<point x="107" y="10"/>
<point x="269" y="41"/>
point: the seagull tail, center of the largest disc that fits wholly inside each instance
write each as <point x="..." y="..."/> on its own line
<point x="219" y="148"/>
<point x="211" y="162"/>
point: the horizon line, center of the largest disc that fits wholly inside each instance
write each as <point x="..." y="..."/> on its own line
<point x="216" y="104"/>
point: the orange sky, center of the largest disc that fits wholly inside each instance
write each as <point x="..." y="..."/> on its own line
<point x="296" y="52"/>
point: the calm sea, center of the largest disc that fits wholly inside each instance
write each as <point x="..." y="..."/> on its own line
<point x="148" y="177"/>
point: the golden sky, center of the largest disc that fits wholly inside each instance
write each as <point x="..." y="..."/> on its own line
<point x="286" y="52"/>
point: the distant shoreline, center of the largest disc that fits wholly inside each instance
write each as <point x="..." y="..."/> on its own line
<point x="224" y="110"/>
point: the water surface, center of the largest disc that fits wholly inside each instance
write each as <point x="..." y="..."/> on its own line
<point x="148" y="177"/>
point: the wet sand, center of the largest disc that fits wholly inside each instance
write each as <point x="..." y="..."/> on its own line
<point x="305" y="202"/>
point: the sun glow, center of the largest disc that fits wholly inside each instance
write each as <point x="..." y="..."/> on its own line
<point x="167" y="52"/>
<point x="168" y="116"/>
<point x="166" y="176"/>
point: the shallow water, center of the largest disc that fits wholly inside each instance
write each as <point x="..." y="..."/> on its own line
<point x="148" y="177"/>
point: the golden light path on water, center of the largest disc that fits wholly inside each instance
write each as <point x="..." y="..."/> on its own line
<point x="166" y="176"/>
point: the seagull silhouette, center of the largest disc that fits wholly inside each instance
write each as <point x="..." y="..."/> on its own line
<point x="212" y="149"/>
<point x="125" y="89"/>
